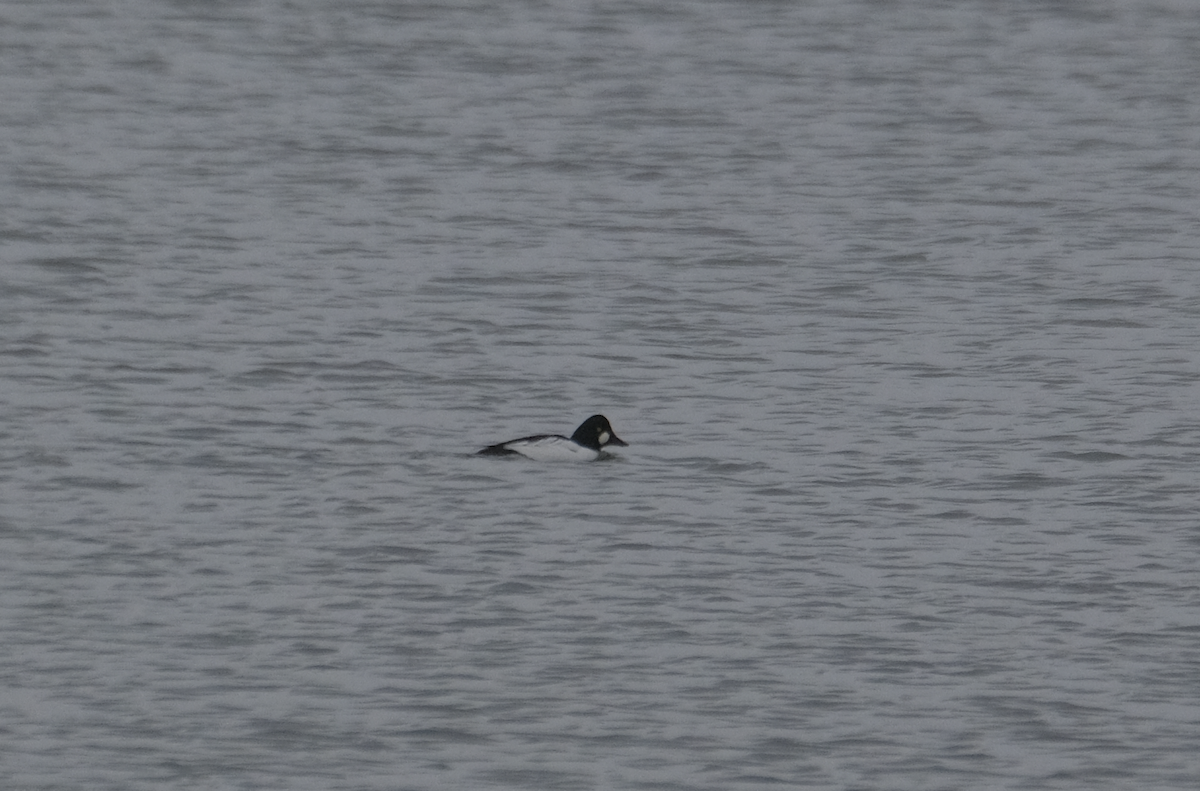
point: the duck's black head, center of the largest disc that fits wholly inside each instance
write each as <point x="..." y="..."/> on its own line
<point x="595" y="433"/>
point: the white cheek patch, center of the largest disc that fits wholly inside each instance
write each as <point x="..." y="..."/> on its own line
<point x="603" y="437"/>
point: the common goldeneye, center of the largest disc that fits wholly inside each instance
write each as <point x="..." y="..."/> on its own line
<point x="584" y="445"/>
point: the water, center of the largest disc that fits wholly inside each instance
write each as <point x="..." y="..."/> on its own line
<point x="896" y="304"/>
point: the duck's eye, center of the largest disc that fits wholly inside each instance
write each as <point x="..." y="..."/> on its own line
<point x="603" y="437"/>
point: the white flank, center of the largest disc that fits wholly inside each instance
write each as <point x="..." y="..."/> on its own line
<point x="553" y="449"/>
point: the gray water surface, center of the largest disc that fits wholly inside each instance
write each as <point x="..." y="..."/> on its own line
<point x="897" y="304"/>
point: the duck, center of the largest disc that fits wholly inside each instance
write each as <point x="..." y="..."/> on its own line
<point x="586" y="444"/>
